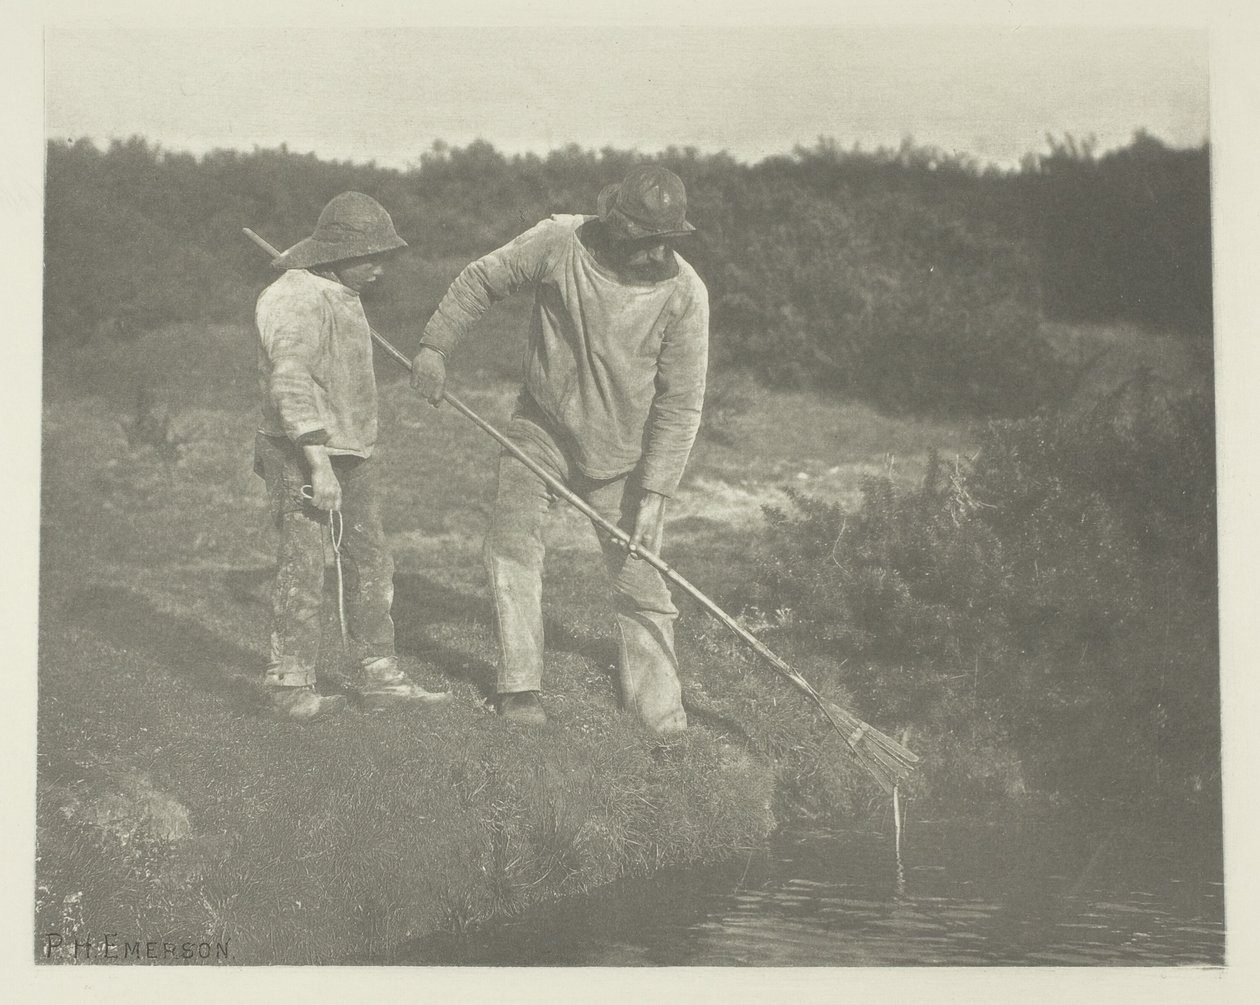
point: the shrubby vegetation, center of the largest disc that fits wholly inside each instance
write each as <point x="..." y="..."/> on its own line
<point x="1053" y="594"/>
<point x="879" y="295"/>
<point x="1126" y="235"/>
<point x="912" y="279"/>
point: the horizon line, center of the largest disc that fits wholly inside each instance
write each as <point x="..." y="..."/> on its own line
<point x="908" y="143"/>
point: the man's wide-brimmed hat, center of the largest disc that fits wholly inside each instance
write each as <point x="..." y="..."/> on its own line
<point x="650" y="202"/>
<point x="352" y="225"/>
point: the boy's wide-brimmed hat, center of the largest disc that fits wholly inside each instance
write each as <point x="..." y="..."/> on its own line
<point x="650" y="202"/>
<point x="352" y="225"/>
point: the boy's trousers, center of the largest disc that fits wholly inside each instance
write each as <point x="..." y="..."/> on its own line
<point x="298" y="592"/>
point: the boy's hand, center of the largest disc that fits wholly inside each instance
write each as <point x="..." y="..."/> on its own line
<point x="428" y="374"/>
<point x="325" y="489"/>
<point x="649" y="523"/>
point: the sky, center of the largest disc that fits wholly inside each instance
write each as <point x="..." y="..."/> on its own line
<point x="993" y="91"/>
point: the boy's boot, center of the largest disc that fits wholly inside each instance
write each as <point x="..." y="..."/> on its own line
<point x="302" y="704"/>
<point x="382" y="683"/>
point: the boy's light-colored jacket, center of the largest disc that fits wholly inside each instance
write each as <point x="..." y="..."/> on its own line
<point x="315" y="364"/>
<point x="617" y="368"/>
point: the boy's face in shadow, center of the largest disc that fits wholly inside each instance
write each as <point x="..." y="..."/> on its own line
<point x="359" y="273"/>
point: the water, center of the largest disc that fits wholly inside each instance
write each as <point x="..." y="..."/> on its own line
<point x="1021" y="891"/>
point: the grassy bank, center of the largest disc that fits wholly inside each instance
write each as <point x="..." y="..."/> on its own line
<point x="168" y="806"/>
<point x="169" y="809"/>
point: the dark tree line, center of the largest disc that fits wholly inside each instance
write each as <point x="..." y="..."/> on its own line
<point x="911" y="278"/>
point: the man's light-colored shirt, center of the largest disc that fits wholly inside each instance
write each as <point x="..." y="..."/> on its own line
<point x="617" y="367"/>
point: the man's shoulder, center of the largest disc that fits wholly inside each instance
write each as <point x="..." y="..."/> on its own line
<point x="556" y="231"/>
<point x="688" y="279"/>
<point x="566" y="221"/>
<point x="557" y="227"/>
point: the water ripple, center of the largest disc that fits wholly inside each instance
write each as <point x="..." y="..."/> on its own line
<point x="972" y="893"/>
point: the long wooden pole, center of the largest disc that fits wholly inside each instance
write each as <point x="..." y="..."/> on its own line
<point x="616" y="533"/>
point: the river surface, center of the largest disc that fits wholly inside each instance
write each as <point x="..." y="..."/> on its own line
<point x="1041" y="892"/>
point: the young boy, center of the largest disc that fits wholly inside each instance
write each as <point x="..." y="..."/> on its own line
<point x="314" y="450"/>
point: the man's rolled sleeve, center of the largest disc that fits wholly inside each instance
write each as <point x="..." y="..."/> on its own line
<point x="680" y="379"/>
<point x="291" y="330"/>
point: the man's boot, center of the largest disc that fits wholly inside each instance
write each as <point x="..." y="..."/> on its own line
<point x="302" y="704"/>
<point x="382" y="683"/>
<point x="524" y="707"/>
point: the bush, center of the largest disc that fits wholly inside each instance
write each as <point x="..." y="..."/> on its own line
<point x="907" y="299"/>
<point x="1127" y="235"/>
<point x="1142" y="457"/>
<point x="1024" y="589"/>
<point x="914" y="583"/>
